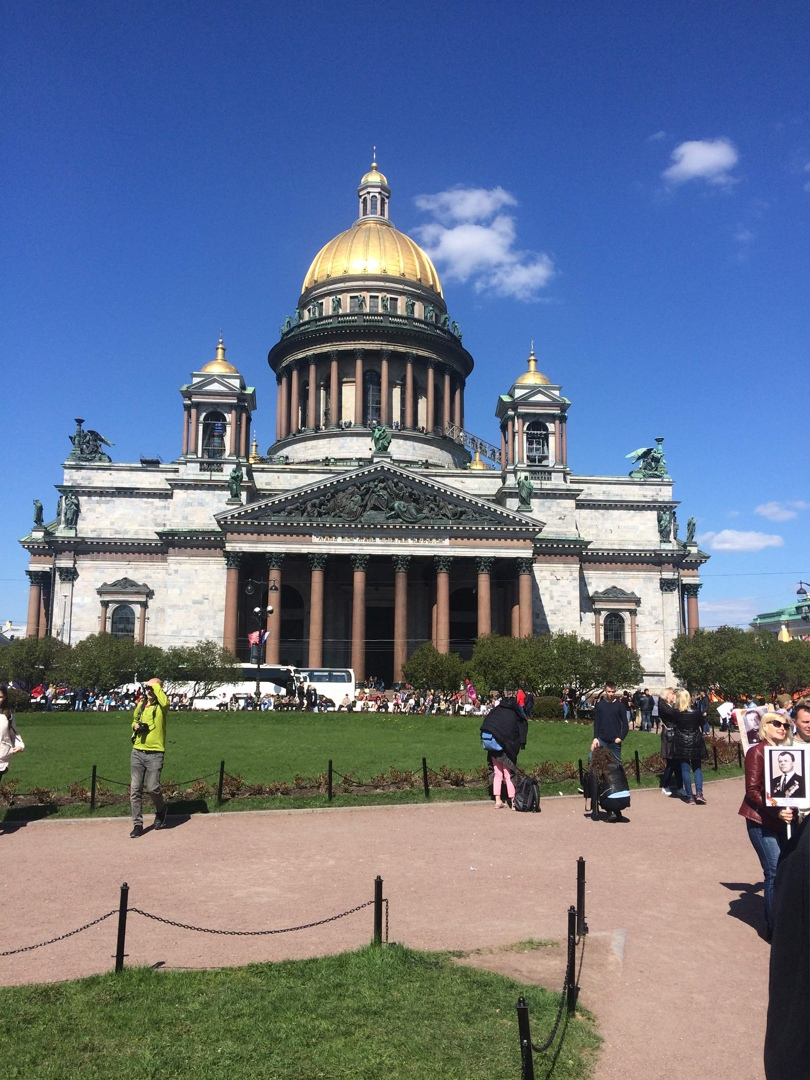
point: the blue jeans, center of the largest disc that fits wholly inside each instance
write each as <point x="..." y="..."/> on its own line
<point x="686" y="779"/>
<point x="614" y="747"/>
<point x="768" y="846"/>
<point x="646" y="721"/>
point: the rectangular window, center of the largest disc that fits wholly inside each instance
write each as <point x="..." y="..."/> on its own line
<point x="354" y="303"/>
<point x="393" y="304"/>
<point x="373" y="303"/>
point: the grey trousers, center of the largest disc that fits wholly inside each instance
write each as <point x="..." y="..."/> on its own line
<point x="144" y="771"/>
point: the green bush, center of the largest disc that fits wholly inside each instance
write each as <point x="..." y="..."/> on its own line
<point x="20" y="700"/>
<point x="547" y="708"/>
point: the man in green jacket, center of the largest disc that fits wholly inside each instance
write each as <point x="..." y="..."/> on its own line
<point x="146" y="760"/>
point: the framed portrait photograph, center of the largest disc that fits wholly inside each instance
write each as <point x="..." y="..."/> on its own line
<point x="748" y="725"/>
<point x="786" y="779"/>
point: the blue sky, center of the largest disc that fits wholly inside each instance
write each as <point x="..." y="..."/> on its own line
<point x="626" y="184"/>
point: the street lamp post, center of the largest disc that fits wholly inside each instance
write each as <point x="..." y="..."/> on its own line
<point x="260" y="614"/>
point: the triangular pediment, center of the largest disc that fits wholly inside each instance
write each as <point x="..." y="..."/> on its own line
<point x="217" y="384"/>
<point x="383" y="497"/>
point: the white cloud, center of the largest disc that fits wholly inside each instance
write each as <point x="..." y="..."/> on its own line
<point x="776" y="511"/>
<point x="702" y="159"/>
<point x="734" y="611"/>
<point x="657" y="136"/>
<point x="736" y="540"/>
<point x="471" y="239"/>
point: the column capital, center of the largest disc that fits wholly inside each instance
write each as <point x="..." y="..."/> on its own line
<point x="525" y="566"/>
<point x="39" y="577"/>
<point x="359" y="353"/>
<point x="318" y="562"/>
<point x="67" y="573"/>
<point x="443" y="563"/>
<point x="274" y="560"/>
<point x="668" y="584"/>
<point x="401" y="563"/>
<point x="692" y="588"/>
<point x="484" y="564"/>
<point x="359" y="562"/>
<point x="233" y="559"/>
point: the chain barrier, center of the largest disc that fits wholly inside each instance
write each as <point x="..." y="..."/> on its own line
<point x="255" y="933"/>
<point x="107" y="780"/>
<point x="52" y="941"/>
<point x="194" y="780"/>
<point x="563" y="996"/>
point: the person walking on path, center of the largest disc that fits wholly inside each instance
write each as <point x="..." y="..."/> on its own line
<point x="765" y="824"/>
<point x="506" y="724"/>
<point x="646" y="705"/>
<point x="610" y="725"/>
<point x="688" y="745"/>
<point x="146" y="759"/>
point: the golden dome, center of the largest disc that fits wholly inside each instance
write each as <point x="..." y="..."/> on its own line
<point x="372" y="247"/>
<point x="477" y="463"/>
<point x="219" y="364"/>
<point x="532" y="377"/>
<point x="374" y="176"/>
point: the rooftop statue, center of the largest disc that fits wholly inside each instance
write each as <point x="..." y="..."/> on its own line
<point x="651" y="463"/>
<point x="525" y="491"/>
<point x="87" y="446"/>
<point x="691" y="525"/>
<point x="381" y="438"/>
<point x="665" y="525"/>
<point x="38" y="522"/>
<point x="235" y="482"/>
<point x="71" y="510"/>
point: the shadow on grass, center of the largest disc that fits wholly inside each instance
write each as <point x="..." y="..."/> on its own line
<point x="16" y="817"/>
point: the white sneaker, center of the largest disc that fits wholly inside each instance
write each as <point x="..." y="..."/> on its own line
<point x="666" y="791"/>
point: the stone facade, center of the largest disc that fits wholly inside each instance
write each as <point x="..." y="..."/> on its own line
<point x="375" y="521"/>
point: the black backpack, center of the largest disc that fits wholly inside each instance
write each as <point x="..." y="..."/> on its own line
<point x="527" y="794"/>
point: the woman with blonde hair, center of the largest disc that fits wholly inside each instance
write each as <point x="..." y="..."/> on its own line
<point x="689" y="748"/>
<point x="765" y="824"/>
<point x="10" y="741"/>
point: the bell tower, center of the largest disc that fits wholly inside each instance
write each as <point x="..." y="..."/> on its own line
<point x="532" y="416"/>
<point x="217" y="410"/>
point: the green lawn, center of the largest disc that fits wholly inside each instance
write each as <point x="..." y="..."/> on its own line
<point x="380" y="1012"/>
<point x="266" y="748"/>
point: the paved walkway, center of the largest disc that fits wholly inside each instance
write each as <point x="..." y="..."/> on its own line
<point x="674" y="968"/>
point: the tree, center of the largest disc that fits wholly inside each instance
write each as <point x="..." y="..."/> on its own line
<point x="498" y="663"/>
<point x="741" y="662"/>
<point x="431" y="670"/>
<point x="104" y="662"/>
<point x="32" y="661"/>
<point x="616" y="662"/>
<point x="202" y="667"/>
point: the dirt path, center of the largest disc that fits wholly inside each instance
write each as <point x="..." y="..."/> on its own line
<point x="673" y="968"/>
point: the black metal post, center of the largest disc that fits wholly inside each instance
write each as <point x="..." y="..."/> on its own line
<point x="739" y="754"/>
<point x="378" y="909"/>
<point x="122" y="928"/>
<point x="571" y="977"/>
<point x="593" y="791"/>
<point x="329" y="781"/>
<point x="714" y="752"/>
<point x="425" y="783"/>
<point x="582" y="926"/>
<point x="581" y="774"/>
<point x="93" y="789"/>
<point x="637" y="764"/>
<point x="526" y="1056"/>
<point x="221" y="782"/>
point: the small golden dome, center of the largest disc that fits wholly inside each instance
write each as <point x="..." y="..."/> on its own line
<point x="532" y="377"/>
<point x="219" y="363"/>
<point x="372" y="247"/>
<point x="477" y="463"/>
<point x="374" y="176"/>
<point x="255" y="456"/>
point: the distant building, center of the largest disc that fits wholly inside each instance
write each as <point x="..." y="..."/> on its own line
<point x="375" y="521"/>
<point x="9" y="631"/>
<point x="793" y="620"/>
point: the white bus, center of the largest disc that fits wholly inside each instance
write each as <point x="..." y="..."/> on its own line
<point x="278" y="680"/>
<point x="333" y="683"/>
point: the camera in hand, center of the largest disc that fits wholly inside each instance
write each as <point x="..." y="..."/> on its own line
<point x="140" y="730"/>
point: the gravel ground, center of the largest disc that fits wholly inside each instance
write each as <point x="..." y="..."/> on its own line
<point x="673" y="966"/>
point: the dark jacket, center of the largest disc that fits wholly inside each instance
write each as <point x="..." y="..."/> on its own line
<point x="610" y="721"/>
<point x="612" y="792"/>
<point x="688" y="742"/>
<point x="508" y="726"/>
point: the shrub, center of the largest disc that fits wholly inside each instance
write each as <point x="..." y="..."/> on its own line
<point x="547" y="708"/>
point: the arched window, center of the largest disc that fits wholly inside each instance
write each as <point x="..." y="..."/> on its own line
<point x="371" y="397"/>
<point x="365" y="206"/>
<point x="374" y="204"/>
<point x="614" y="628"/>
<point x="303" y="400"/>
<point x="122" y="623"/>
<point x="536" y="443"/>
<point x="382" y="205"/>
<point x="214" y="426"/>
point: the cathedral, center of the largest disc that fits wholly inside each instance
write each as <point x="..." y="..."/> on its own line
<point x="375" y="521"/>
